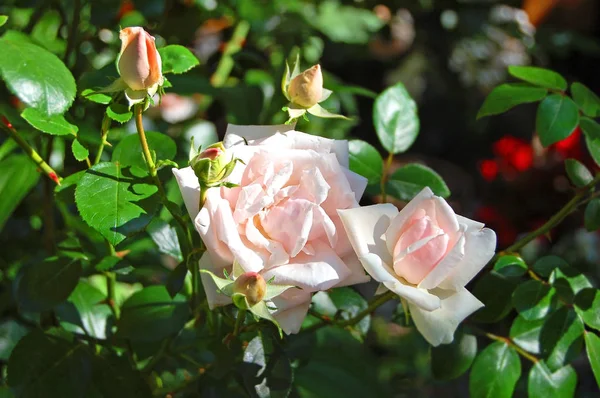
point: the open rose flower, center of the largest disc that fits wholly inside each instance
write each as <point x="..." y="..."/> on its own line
<point x="426" y="254"/>
<point x="281" y="221"/>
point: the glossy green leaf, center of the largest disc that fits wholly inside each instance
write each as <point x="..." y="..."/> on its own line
<point x="165" y="238"/>
<point x="115" y="201"/>
<point x="119" y="112"/>
<point x="592" y="348"/>
<point x="3" y="19"/>
<point x="19" y="176"/>
<point x="534" y="300"/>
<point x="52" y="124"/>
<point x="93" y="311"/>
<point x="526" y="334"/>
<point x="510" y="266"/>
<point x="36" y="76"/>
<point x="495" y="372"/>
<point x="151" y="315"/>
<point x="557" y="117"/>
<point x="365" y="160"/>
<point x="575" y="280"/>
<point x="129" y="151"/>
<point x="587" y="306"/>
<point x="10" y="334"/>
<point x="47" y="283"/>
<point x="543" y="383"/>
<point x="507" y="96"/>
<point x="539" y="77"/>
<point x="396" y="119"/>
<point x="591" y="129"/>
<point x="177" y="59"/>
<point x="266" y="374"/>
<point x="48" y="366"/>
<point x="460" y="353"/>
<point x="97" y="97"/>
<point x="586" y="99"/>
<point x="591" y="216"/>
<point x="407" y="181"/>
<point x="79" y="151"/>
<point x="545" y="265"/>
<point x="561" y="338"/>
<point x="579" y="175"/>
<point x="495" y="292"/>
<point x="45" y="32"/>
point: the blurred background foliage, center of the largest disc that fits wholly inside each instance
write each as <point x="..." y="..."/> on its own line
<point x="449" y="54"/>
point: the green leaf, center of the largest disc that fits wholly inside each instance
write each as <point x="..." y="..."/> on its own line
<point x="539" y="77"/>
<point x="591" y="129"/>
<point x="223" y="284"/>
<point x="542" y="383"/>
<point x="588" y="102"/>
<point x="129" y="151"/>
<point x="460" y="353"/>
<point x="45" y="32"/>
<point x="10" y="334"/>
<point x="119" y="112"/>
<point x="534" y="300"/>
<point x="561" y="338"/>
<point x="114" y="377"/>
<point x="48" y="366"/>
<point x="46" y="284"/>
<point x="579" y="175"/>
<point x="19" y="176"/>
<point x="495" y="372"/>
<point x="494" y="291"/>
<point x="3" y="19"/>
<point x="545" y="265"/>
<point x="315" y="110"/>
<point x="177" y="59"/>
<point x="526" y="334"/>
<point x="79" y="151"/>
<point x="37" y="77"/>
<point x="151" y="315"/>
<point x="343" y="24"/>
<point x="407" y="181"/>
<point x="592" y="348"/>
<point x="53" y="124"/>
<point x="345" y="303"/>
<point x="176" y="279"/>
<point x="557" y="117"/>
<point x="165" y="238"/>
<point x="365" y="160"/>
<point x="115" y="201"/>
<point x="591" y="216"/>
<point x="575" y="280"/>
<point x="510" y="266"/>
<point x="587" y="306"/>
<point x="97" y="97"/>
<point x="92" y="309"/>
<point x="265" y="374"/>
<point x="395" y="118"/>
<point x="507" y="96"/>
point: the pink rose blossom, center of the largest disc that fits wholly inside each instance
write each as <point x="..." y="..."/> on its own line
<point x="282" y="220"/>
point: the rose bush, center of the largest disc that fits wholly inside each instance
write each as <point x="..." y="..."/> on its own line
<point x="281" y="220"/>
<point x="426" y="254"/>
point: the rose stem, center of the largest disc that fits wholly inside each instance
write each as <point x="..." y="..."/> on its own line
<point x="384" y="177"/>
<point x="103" y="134"/>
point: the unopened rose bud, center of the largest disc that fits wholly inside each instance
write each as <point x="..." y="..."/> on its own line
<point x="213" y="164"/>
<point x="252" y="285"/>
<point x="306" y="89"/>
<point x="139" y="64"/>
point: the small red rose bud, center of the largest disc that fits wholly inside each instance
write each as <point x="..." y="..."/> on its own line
<point x="252" y="285"/>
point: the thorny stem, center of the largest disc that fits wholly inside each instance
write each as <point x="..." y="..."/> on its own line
<point x="33" y="155"/>
<point x="103" y="135"/>
<point x="384" y="177"/>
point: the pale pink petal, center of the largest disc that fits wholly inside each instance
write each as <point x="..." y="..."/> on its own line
<point x="358" y="183"/>
<point x="289" y="223"/>
<point x="278" y="254"/>
<point x="235" y="134"/>
<point x="366" y="227"/>
<point x="445" y="217"/>
<point x="450" y="261"/>
<point x="419" y="297"/>
<point x="417" y="263"/>
<point x="290" y="320"/>
<point x="251" y="200"/>
<point x="438" y="326"/>
<point x="479" y="249"/>
<point x="213" y="296"/>
<point x="313" y="186"/>
<point x="190" y="189"/>
<point x="471" y="225"/>
<point x="357" y="271"/>
<point x="206" y="223"/>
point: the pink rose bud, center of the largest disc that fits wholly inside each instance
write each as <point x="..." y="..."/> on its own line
<point x="211" y="153"/>
<point x="252" y="285"/>
<point x="139" y="64"/>
<point x="306" y="89"/>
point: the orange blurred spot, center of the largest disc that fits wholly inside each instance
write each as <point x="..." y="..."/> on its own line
<point x="538" y="10"/>
<point x="126" y="7"/>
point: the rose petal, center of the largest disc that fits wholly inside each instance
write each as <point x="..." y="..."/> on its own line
<point x="393" y="232"/>
<point x="421" y="298"/>
<point x="214" y="298"/>
<point x="479" y="249"/>
<point x="366" y="226"/>
<point x="445" y="216"/>
<point x="358" y="183"/>
<point x="357" y="272"/>
<point x="450" y="261"/>
<point x="190" y="189"/>
<point x="290" y="224"/>
<point x="438" y="326"/>
<point x="290" y="320"/>
<point x="235" y="134"/>
<point x="206" y="222"/>
<point x="312" y="273"/>
<point x="471" y="225"/>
